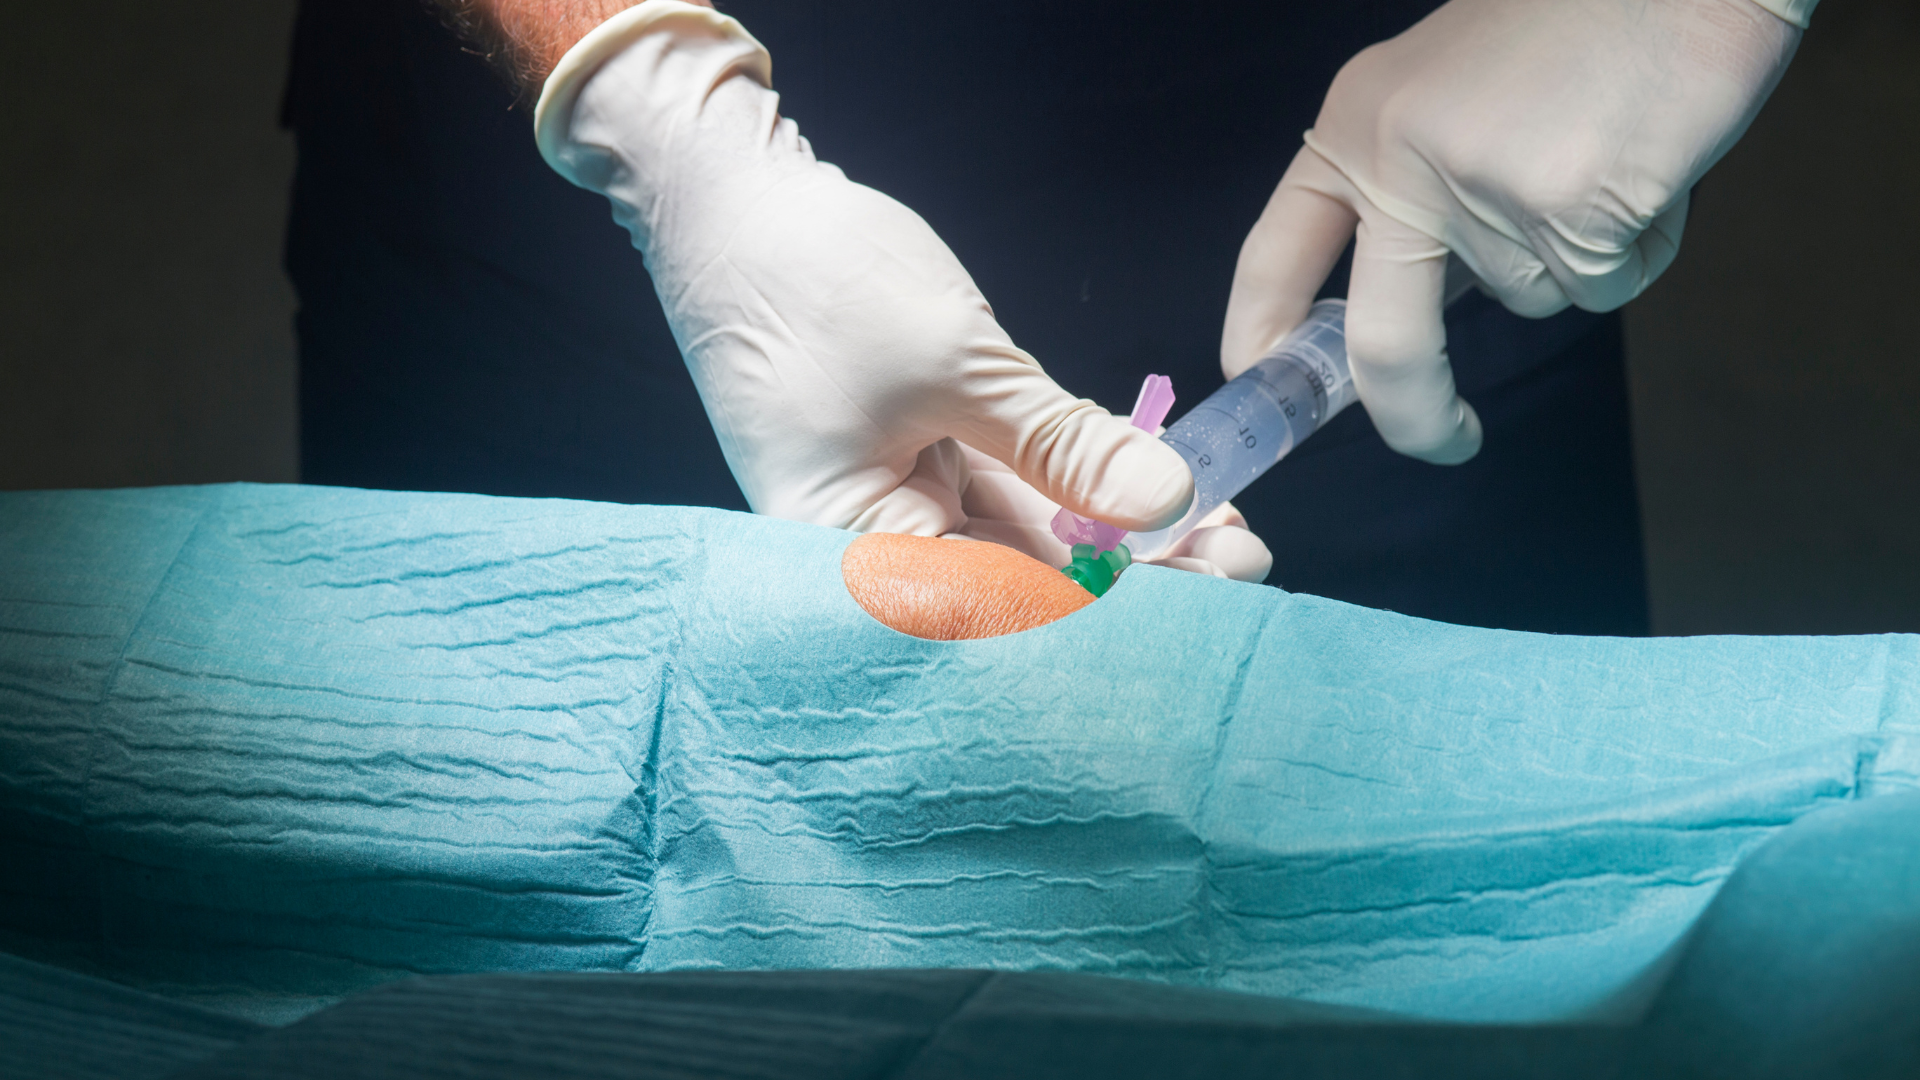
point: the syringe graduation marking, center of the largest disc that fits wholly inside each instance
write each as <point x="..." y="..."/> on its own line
<point x="1244" y="428"/>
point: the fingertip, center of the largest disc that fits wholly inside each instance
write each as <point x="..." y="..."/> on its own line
<point x="1235" y="550"/>
<point x="1079" y="456"/>
<point x="1458" y="445"/>
<point x="1152" y="486"/>
<point x="1397" y="345"/>
<point x="1471" y="433"/>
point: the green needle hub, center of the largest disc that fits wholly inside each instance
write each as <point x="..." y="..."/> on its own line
<point x="1097" y="571"/>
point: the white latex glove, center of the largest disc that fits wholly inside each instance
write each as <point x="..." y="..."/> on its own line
<point x="841" y="350"/>
<point x="1006" y="510"/>
<point x="1547" y="145"/>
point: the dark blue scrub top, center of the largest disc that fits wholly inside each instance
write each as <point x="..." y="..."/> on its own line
<point x="470" y="322"/>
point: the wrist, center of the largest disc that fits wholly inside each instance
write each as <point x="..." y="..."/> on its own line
<point x="525" y="39"/>
<point x="547" y="32"/>
<point x="690" y="50"/>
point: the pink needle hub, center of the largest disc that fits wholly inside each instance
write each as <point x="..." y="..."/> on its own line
<point x="1149" y="412"/>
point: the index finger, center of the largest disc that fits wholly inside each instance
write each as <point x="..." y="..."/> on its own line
<point x="1397" y="343"/>
<point x="1285" y="258"/>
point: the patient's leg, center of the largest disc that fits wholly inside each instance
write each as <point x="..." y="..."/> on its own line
<point x="950" y="590"/>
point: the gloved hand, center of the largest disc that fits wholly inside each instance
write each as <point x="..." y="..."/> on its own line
<point x="1006" y="510"/>
<point x="841" y="350"/>
<point x="1549" y="147"/>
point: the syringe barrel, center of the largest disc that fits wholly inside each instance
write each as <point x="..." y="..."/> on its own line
<point x="1244" y="428"/>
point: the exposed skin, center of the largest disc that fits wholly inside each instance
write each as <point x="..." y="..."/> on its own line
<point x="955" y="590"/>
<point x="526" y="38"/>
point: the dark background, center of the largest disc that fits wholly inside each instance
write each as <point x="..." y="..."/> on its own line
<point x="147" y="323"/>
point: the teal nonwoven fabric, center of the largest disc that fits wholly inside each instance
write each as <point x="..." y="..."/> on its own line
<point x="302" y="740"/>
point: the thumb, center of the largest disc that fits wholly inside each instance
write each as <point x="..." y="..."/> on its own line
<point x="1073" y="451"/>
<point x="1397" y="343"/>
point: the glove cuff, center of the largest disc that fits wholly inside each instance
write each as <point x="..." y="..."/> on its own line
<point x="1797" y="12"/>
<point x="553" y="113"/>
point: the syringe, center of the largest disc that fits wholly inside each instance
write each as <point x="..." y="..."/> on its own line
<point x="1244" y="428"/>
